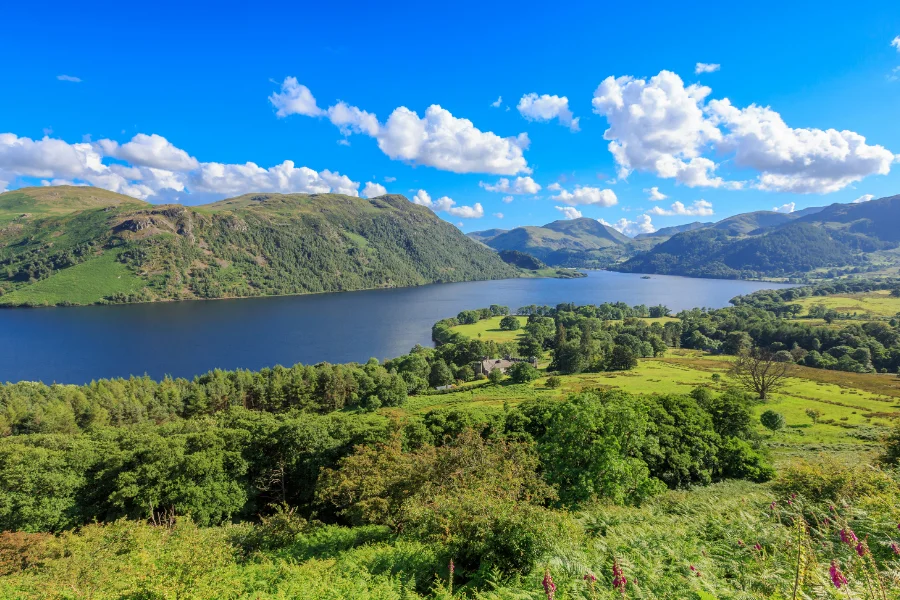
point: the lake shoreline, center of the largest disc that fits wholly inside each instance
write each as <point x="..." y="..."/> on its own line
<point x="184" y="339"/>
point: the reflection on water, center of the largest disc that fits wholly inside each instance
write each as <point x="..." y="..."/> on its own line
<point x="75" y="345"/>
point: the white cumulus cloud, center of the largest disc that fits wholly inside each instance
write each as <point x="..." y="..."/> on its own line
<point x="658" y="126"/>
<point x="496" y="103"/>
<point x="796" y="160"/>
<point x="507" y="199"/>
<point x="155" y="169"/>
<point x="449" y="143"/>
<point x="546" y="108"/>
<point x="294" y="99"/>
<point x="350" y="119"/>
<point x="641" y="224"/>
<point x="654" y="195"/>
<point x="587" y="195"/>
<point x="150" y="151"/>
<point x="785" y="208"/>
<point x="521" y="185"/>
<point x="373" y="190"/>
<point x="438" y="139"/>
<point x="663" y="127"/>
<point x="706" y="68"/>
<point x="896" y="43"/>
<point x="569" y="212"/>
<point x="699" y="208"/>
<point x="864" y="198"/>
<point x="448" y="205"/>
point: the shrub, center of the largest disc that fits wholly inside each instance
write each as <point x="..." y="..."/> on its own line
<point x="496" y="376"/>
<point x="772" y="420"/>
<point x="829" y="480"/>
<point x="554" y="382"/>
<point x="738" y="460"/>
<point x="523" y="372"/>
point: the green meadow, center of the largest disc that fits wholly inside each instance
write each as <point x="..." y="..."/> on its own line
<point x="85" y="283"/>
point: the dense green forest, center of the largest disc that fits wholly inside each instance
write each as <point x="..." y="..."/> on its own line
<point x="69" y="250"/>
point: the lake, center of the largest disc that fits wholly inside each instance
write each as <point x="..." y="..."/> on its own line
<point x="78" y="344"/>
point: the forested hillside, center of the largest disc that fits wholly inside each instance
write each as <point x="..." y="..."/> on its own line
<point x="79" y="245"/>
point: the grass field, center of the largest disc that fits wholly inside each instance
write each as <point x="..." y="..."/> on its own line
<point x="85" y="283"/>
<point x="878" y="304"/>
<point x="489" y="330"/>
<point x="855" y="407"/>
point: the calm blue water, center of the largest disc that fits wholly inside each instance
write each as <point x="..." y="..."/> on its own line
<point x="75" y="345"/>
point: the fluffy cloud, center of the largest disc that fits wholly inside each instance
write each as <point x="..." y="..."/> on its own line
<point x="706" y="68"/>
<point x="69" y="78"/>
<point x="448" y="143"/>
<point x="785" y="208"/>
<point x="521" y="185"/>
<point x="654" y="195"/>
<point x="587" y="195"/>
<point x="350" y="119"/>
<point x="499" y="215"/>
<point x="448" y="205"/>
<point x="796" y="160"/>
<point x="507" y="199"/>
<point x="373" y="190"/>
<point x="437" y="140"/>
<point x="546" y="108"/>
<point x="896" y="43"/>
<point x="294" y="99"/>
<point x="700" y="208"/>
<point x="641" y="224"/>
<point x="569" y="212"/>
<point x="658" y="126"/>
<point x="554" y="186"/>
<point x="496" y="103"/>
<point x="157" y="169"/>
<point x="662" y="127"/>
<point x="234" y="179"/>
<point x="150" y="151"/>
<point x="864" y="198"/>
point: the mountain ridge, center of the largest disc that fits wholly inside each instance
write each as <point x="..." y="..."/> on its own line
<point x="104" y="248"/>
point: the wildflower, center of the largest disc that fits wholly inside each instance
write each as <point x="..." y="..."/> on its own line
<point x="757" y="547"/>
<point x="452" y="568"/>
<point x="741" y="543"/>
<point x="772" y="506"/>
<point x="590" y="577"/>
<point x="848" y="537"/>
<point x="619" y="580"/>
<point x="549" y="586"/>
<point x="861" y="549"/>
<point x="831" y="508"/>
<point x="895" y="548"/>
<point x="826" y="521"/>
<point x="837" y="578"/>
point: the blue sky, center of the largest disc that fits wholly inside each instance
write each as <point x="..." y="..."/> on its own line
<point x="801" y="111"/>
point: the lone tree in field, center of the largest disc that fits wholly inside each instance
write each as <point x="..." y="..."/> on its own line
<point x="759" y="371"/>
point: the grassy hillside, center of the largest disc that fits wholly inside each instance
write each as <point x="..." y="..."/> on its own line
<point x="851" y="237"/>
<point x="81" y="245"/>
<point x="574" y="242"/>
<point x="28" y="204"/>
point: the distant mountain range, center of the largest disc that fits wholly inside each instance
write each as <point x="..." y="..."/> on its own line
<point x="82" y="245"/>
<point x="846" y="237"/>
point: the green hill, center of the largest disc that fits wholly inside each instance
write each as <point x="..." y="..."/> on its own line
<point x="554" y="241"/>
<point x="766" y="244"/>
<point x="81" y="245"/>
